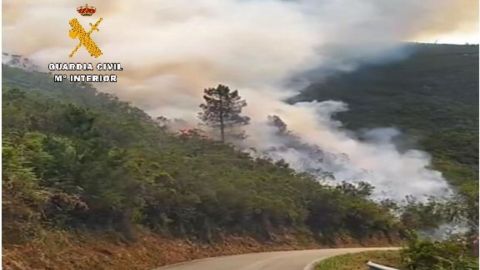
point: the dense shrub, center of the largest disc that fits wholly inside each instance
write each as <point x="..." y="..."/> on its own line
<point x="453" y="254"/>
<point x="100" y="163"/>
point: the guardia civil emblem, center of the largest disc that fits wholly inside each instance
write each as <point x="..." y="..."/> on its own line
<point x="79" y="33"/>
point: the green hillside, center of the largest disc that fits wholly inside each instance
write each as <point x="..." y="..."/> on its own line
<point x="77" y="159"/>
<point x="432" y="96"/>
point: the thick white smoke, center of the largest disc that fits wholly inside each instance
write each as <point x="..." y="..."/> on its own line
<point x="171" y="50"/>
<point x="323" y="148"/>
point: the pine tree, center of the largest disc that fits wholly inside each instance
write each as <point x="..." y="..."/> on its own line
<point x="222" y="109"/>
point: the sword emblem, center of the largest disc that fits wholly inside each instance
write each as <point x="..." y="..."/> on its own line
<point x="78" y="32"/>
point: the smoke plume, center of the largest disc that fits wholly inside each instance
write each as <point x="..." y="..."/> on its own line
<point x="171" y="50"/>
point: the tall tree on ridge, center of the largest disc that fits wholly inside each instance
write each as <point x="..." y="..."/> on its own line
<point x="222" y="109"/>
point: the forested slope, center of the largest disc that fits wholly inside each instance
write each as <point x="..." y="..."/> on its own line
<point x="79" y="160"/>
<point x="432" y="96"/>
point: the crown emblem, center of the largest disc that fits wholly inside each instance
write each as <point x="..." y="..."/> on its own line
<point x="86" y="10"/>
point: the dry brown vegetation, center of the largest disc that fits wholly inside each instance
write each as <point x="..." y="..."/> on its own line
<point x="68" y="251"/>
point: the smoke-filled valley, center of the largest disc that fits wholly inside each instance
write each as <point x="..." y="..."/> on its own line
<point x="348" y="129"/>
<point x="258" y="47"/>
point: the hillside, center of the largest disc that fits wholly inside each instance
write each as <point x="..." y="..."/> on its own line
<point x="99" y="181"/>
<point x="432" y="96"/>
<point x="78" y="163"/>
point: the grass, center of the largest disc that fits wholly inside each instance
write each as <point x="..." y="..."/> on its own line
<point x="358" y="261"/>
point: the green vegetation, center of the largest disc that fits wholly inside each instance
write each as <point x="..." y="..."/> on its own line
<point x="432" y="96"/>
<point x="358" y="261"/>
<point x="222" y="109"/>
<point x="453" y="254"/>
<point x="78" y="159"/>
<point x="457" y="253"/>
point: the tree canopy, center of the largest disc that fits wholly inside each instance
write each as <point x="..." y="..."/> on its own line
<point x="222" y="109"/>
<point x="83" y="159"/>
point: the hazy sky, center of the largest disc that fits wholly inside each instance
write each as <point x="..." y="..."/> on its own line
<point x="455" y="37"/>
<point x="172" y="49"/>
<point x="183" y="46"/>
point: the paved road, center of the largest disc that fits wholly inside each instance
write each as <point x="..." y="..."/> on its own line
<point x="279" y="260"/>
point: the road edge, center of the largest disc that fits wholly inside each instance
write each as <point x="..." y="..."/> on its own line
<point x="312" y="264"/>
